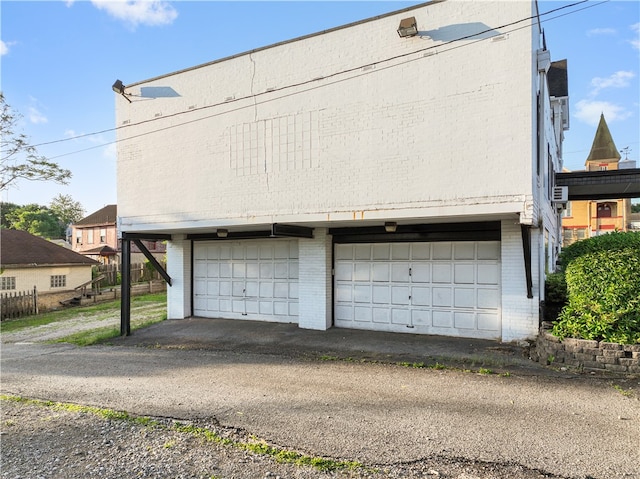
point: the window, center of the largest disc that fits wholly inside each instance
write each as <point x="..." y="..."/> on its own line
<point x="58" y="280"/>
<point x="7" y="282"/>
<point x="90" y="236"/>
<point x="79" y="237"/>
<point x="604" y="210"/>
<point x="567" y="211"/>
<point x="103" y="235"/>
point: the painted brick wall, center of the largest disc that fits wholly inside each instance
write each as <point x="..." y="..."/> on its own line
<point x="520" y="315"/>
<point x="179" y="269"/>
<point x="445" y="130"/>
<point x="315" y="281"/>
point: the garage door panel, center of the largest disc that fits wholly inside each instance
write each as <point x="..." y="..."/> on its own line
<point x="464" y="298"/>
<point x="381" y="294"/>
<point x="381" y="315"/>
<point x="344" y="293"/>
<point x="381" y="252"/>
<point x="489" y="250"/>
<point x="400" y="251"/>
<point x="441" y="251"/>
<point x="361" y="272"/>
<point x="420" y="296"/>
<point x="488" y="274"/>
<point x="464" y="274"/>
<point x="442" y="319"/>
<point x="381" y="272"/>
<point x="421" y="317"/>
<point x="362" y="314"/>
<point x="399" y="294"/>
<point x="442" y="297"/>
<point x="488" y="322"/>
<point x="450" y="288"/>
<point x="400" y="316"/>
<point x="464" y="320"/>
<point x="344" y="272"/>
<point x="343" y="313"/>
<point x="400" y="272"/>
<point x="362" y="294"/>
<point x="441" y="273"/>
<point x="420" y="273"/>
<point x="488" y="298"/>
<point x="464" y="251"/>
<point x="253" y="279"/>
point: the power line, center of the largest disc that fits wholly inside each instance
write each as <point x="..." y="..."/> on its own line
<point x="320" y="79"/>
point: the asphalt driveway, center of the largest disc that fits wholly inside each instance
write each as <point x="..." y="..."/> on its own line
<point x="295" y="392"/>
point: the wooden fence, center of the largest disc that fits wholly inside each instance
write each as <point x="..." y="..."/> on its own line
<point x="140" y="272"/>
<point x="18" y="304"/>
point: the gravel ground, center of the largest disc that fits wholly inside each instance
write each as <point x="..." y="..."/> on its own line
<point x="45" y="442"/>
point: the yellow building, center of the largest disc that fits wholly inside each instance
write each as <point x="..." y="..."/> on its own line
<point x="584" y="219"/>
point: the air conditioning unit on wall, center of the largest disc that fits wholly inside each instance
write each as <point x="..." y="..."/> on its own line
<point x="560" y="196"/>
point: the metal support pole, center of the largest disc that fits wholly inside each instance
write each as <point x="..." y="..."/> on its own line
<point x="125" y="303"/>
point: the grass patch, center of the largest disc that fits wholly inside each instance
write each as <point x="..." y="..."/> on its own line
<point x="96" y="311"/>
<point x="254" y="446"/>
<point x="100" y="335"/>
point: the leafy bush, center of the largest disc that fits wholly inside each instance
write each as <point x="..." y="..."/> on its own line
<point x="604" y="297"/>
<point x="555" y="288"/>
<point x="610" y="242"/>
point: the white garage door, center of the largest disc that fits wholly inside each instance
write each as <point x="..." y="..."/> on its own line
<point x="251" y="279"/>
<point x="447" y="288"/>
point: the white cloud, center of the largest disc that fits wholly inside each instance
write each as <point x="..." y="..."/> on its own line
<point x="601" y="31"/>
<point x="619" y="79"/>
<point x="589" y="112"/>
<point x="635" y="43"/>
<point x="139" y="12"/>
<point x="36" y="117"/>
<point x="4" y="47"/>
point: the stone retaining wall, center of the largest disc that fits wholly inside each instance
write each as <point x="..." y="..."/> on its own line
<point x="588" y="355"/>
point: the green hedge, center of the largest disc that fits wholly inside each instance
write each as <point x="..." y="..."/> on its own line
<point x="604" y="295"/>
<point x="610" y="242"/>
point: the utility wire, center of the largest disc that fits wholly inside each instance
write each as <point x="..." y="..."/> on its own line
<point x="321" y="79"/>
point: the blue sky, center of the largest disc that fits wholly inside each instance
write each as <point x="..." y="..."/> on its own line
<point x="60" y="58"/>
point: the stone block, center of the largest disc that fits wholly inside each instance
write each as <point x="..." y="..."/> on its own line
<point x="571" y="348"/>
<point x="618" y="368"/>
<point x="631" y="347"/>
<point x="611" y="346"/>
<point x="550" y="337"/>
<point x="592" y="366"/>
<point x="633" y="369"/>
<point x="587" y="343"/>
<point x="612" y="353"/>
<point x="635" y="354"/>
<point x="629" y="362"/>
<point x="606" y="360"/>
<point x="584" y="357"/>
<point x="594" y="351"/>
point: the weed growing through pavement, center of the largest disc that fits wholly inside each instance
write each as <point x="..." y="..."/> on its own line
<point x="625" y="392"/>
<point x="255" y="446"/>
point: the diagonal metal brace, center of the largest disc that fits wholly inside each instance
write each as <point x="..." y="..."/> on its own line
<point x="153" y="261"/>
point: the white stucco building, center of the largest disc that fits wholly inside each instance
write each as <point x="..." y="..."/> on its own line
<point x="275" y="172"/>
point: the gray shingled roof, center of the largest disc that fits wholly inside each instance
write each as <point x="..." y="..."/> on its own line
<point x="105" y="216"/>
<point x="558" y="79"/>
<point x="22" y="248"/>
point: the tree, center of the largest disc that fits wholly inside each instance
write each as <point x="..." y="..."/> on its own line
<point x="5" y="210"/>
<point x="37" y="220"/>
<point x="66" y="209"/>
<point x="18" y="159"/>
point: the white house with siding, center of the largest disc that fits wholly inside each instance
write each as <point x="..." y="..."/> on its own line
<point x="357" y="178"/>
